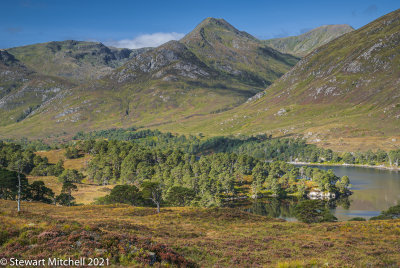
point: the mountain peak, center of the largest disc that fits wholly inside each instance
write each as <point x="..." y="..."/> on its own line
<point x="216" y="21"/>
<point x="215" y="27"/>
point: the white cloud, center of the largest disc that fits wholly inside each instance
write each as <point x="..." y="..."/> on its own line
<point x="146" y="40"/>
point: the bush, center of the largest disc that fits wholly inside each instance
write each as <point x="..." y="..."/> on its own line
<point x="391" y="213"/>
<point x="125" y="194"/>
<point x="180" y="196"/>
<point x="65" y="199"/>
<point x="39" y="192"/>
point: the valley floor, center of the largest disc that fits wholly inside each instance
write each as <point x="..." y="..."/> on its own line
<point x="207" y="237"/>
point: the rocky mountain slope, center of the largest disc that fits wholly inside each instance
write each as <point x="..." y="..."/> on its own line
<point x="345" y="94"/>
<point x="303" y="44"/>
<point x="74" y="60"/>
<point x="22" y="90"/>
<point x="237" y="53"/>
<point x="178" y="80"/>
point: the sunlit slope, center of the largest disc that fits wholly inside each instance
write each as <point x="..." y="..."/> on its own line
<point x="77" y="61"/>
<point x="164" y="85"/>
<point x="223" y="47"/>
<point x="204" y="236"/>
<point x="23" y="91"/>
<point x="345" y="92"/>
<point x="305" y="43"/>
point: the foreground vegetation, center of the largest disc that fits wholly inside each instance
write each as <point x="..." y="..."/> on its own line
<point x="130" y="178"/>
<point x="206" y="237"/>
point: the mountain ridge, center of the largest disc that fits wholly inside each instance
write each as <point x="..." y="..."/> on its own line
<point x="223" y="47"/>
<point x="164" y="84"/>
<point x="342" y="95"/>
<point x="303" y="44"/>
<point x="77" y="61"/>
<point x="181" y="86"/>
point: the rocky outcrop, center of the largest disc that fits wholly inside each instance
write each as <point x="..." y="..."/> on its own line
<point x="237" y="53"/>
<point x="172" y="59"/>
<point x="316" y="194"/>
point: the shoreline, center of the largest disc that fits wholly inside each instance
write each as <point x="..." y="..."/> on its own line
<point x="346" y="165"/>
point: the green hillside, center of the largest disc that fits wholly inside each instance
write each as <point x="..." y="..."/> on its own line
<point x="75" y="60"/>
<point x="23" y="91"/>
<point x="345" y="94"/>
<point x="172" y="82"/>
<point x="303" y="44"/>
<point x="237" y="53"/>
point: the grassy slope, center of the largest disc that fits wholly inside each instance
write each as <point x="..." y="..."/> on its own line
<point x="165" y="85"/>
<point x="344" y="95"/>
<point x="349" y="102"/>
<point x="75" y="60"/>
<point x="87" y="192"/>
<point x="23" y="90"/>
<point x="229" y="50"/>
<point x="303" y="44"/>
<point x="222" y="237"/>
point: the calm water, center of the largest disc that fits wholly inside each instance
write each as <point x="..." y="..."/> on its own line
<point x="374" y="190"/>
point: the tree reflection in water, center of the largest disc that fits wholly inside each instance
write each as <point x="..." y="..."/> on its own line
<point x="281" y="208"/>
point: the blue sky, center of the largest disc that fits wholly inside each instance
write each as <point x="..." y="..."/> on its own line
<point x="144" y="23"/>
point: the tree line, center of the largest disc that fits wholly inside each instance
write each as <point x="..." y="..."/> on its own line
<point x="261" y="146"/>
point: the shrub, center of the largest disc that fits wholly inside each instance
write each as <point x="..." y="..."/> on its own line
<point x="391" y="213"/>
<point x="126" y="194"/>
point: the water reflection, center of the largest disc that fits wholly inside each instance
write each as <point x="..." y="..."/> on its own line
<point x="282" y="208"/>
<point x="374" y="190"/>
<point x="272" y="207"/>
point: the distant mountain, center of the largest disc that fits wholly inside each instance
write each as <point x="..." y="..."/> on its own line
<point x="303" y="44"/>
<point x="214" y="68"/>
<point x="169" y="62"/>
<point x="74" y="60"/>
<point x="223" y="47"/>
<point x="345" y="94"/>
